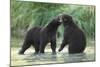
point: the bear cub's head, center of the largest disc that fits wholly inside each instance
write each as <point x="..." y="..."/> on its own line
<point x="57" y="20"/>
<point x="65" y="19"/>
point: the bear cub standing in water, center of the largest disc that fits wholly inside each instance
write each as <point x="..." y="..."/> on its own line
<point x="39" y="37"/>
<point x="73" y="36"/>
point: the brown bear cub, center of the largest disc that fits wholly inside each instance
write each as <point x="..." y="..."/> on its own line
<point x="38" y="37"/>
<point x="73" y="36"/>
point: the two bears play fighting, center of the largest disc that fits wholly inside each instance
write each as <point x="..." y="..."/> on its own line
<point x="73" y="36"/>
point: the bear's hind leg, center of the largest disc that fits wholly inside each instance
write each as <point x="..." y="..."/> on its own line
<point x="75" y="49"/>
<point x="25" y="46"/>
<point x="36" y="47"/>
<point x="53" y="46"/>
<point x="42" y="46"/>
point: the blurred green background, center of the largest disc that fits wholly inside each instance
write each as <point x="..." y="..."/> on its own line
<point x="25" y="15"/>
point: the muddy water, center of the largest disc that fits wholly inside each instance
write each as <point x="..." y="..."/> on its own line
<point x="61" y="57"/>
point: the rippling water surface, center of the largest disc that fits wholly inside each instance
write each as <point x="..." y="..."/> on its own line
<point x="61" y="57"/>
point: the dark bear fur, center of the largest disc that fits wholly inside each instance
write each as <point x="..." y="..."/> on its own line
<point x="73" y="36"/>
<point x="32" y="38"/>
<point x="39" y="37"/>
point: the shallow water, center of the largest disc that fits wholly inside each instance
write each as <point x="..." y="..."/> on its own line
<point x="61" y="57"/>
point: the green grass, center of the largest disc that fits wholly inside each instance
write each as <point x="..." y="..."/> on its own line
<point x="25" y="15"/>
<point x="16" y="42"/>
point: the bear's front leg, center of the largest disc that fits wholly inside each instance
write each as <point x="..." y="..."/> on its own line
<point x="42" y="46"/>
<point x="53" y="45"/>
<point x="64" y="43"/>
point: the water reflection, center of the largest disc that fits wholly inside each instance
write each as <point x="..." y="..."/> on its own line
<point x="41" y="58"/>
<point x="74" y="57"/>
<point x="59" y="58"/>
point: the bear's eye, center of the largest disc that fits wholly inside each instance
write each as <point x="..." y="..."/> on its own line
<point x="65" y="19"/>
